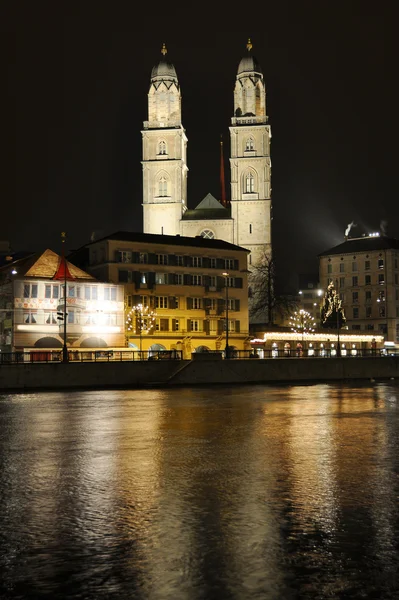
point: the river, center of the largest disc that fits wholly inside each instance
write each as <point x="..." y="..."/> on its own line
<point x="242" y="492"/>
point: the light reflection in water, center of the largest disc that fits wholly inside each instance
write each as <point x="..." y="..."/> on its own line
<point x="243" y="492"/>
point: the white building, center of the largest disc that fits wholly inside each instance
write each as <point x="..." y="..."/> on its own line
<point x="246" y="220"/>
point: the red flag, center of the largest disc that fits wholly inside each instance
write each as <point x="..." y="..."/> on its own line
<point x="63" y="272"/>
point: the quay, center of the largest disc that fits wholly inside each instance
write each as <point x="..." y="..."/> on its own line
<point x="202" y="369"/>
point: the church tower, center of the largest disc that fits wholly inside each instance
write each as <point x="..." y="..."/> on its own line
<point x="250" y="163"/>
<point x="164" y="153"/>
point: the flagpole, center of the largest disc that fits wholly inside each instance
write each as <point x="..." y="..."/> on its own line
<point x="64" y="347"/>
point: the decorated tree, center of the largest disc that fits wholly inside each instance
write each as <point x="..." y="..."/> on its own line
<point x="140" y="320"/>
<point x="332" y="312"/>
<point x="302" y="322"/>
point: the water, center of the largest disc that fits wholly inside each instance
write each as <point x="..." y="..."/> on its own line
<point x="227" y="492"/>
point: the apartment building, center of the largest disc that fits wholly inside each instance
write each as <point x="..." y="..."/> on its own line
<point x="365" y="271"/>
<point x="185" y="282"/>
<point x="32" y="303"/>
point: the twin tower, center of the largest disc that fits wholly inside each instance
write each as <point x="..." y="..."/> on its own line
<point x="246" y="220"/>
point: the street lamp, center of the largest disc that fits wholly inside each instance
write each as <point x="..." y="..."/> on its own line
<point x="226" y="284"/>
<point x="337" y="311"/>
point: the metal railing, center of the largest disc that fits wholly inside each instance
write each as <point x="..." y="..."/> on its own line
<point x="49" y="356"/>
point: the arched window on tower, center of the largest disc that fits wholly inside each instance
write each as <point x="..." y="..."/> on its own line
<point x="162" y="147"/>
<point x="250" y="145"/>
<point x="163" y="187"/>
<point x="249" y="183"/>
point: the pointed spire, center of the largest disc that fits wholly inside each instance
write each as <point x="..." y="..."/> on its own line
<point x="63" y="272"/>
<point x="164" y="50"/>
<point x="249" y="44"/>
<point x="222" y="183"/>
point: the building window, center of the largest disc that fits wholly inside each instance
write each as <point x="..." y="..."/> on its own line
<point x="355" y="297"/>
<point x="381" y="278"/>
<point x="354" y="281"/>
<point x="180" y="261"/>
<point x="195" y="325"/>
<point x="354" y="267"/>
<point x="125" y="256"/>
<point x="143" y="258"/>
<point x="356" y="327"/>
<point x="250" y="228"/>
<point x="212" y="263"/>
<point x="197" y="303"/>
<point x="382" y="311"/>
<point x="367" y="280"/>
<point x="381" y="296"/>
<point x="367" y="265"/>
<point x="161" y="302"/>
<point x="380" y="263"/>
<point x="51" y="291"/>
<point x="162" y="147"/>
<point x="250" y="259"/>
<point x="207" y="234"/>
<point x="249" y="183"/>
<point x="249" y="146"/>
<point x="162" y="325"/>
<point x="30" y="290"/>
<point x="30" y="317"/>
<point x="163" y="187"/>
<point x="161" y="278"/>
<point x="176" y="325"/>
<point x="342" y="282"/>
<point x="368" y="296"/>
<point x="370" y="326"/>
<point x="229" y="263"/>
<point x="212" y="281"/>
<point x="110" y="293"/>
<point x="396" y="279"/>
<point x="341" y="267"/>
<point x="196" y="279"/>
<point x="162" y="259"/>
<point x="50" y="318"/>
<point x="355" y="313"/>
<point x="179" y="279"/>
<point x="197" y="261"/>
<point x="90" y="293"/>
<point x="368" y="311"/>
<point x="329" y="268"/>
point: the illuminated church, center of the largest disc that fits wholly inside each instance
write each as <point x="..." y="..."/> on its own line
<point x="246" y="219"/>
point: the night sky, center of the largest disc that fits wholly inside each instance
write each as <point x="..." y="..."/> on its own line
<point x="79" y="81"/>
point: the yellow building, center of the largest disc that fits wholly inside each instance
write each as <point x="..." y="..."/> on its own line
<point x="32" y="306"/>
<point x="183" y="281"/>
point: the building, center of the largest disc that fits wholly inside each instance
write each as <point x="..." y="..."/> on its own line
<point x="310" y="296"/>
<point x="365" y="271"/>
<point x="32" y="306"/>
<point x="244" y="221"/>
<point x="183" y="281"/>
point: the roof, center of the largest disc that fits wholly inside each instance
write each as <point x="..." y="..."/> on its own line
<point x="249" y="64"/>
<point x="363" y="244"/>
<point x="209" y="202"/>
<point x="171" y="240"/>
<point x="45" y="265"/>
<point x="208" y="208"/>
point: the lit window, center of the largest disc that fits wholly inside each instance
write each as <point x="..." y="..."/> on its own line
<point x="163" y="187"/>
<point x="249" y="145"/>
<point x="249" y="183"/>
<point x="161" y="302"/>
<point x="380" y="263"/>
<point x="30" y="317"/>
<point x="162" y="147"/>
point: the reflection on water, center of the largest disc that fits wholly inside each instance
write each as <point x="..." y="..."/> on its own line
<point x="227" y="492"/>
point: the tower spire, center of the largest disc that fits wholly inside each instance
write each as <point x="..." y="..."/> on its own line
<point x="164" y="49"/>
<point x="249" y="44"/>
<point x="222" y="182"/>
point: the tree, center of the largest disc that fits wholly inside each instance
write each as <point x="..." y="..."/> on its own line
<point x="302" y="322"/>
<point x="141" y="320"/>
<point x="263" y="298"/>
<point x="332" y="312"/>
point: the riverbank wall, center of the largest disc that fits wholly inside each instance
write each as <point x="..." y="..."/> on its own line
<point x="53" y="376"/>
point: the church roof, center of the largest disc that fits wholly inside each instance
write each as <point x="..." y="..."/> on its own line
<point x="208" y="208"/>
<point x="363" y="244"/>
<point x="209" y="202"/>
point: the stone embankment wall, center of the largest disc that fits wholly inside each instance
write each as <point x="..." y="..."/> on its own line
<point x="197" y="372"/>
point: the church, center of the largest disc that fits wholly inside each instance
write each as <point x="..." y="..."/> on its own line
<point x="246" y="219"/>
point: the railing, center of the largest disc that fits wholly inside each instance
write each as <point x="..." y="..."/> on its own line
<point x="49" y="356"/>
<point x="55" y="356"/>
